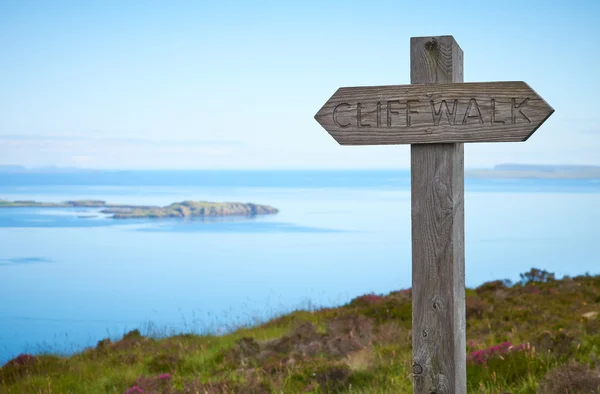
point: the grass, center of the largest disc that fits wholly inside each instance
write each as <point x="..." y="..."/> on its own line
<point x="536" y="336"/>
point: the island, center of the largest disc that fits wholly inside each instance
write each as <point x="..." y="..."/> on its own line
<point x="533" y="171"/>
<point x="185" y="209"/>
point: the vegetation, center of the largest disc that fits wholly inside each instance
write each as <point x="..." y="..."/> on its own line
<point x="188" y="209"/>
<point x="185" y="209"/>
<point x="539" y="335"/>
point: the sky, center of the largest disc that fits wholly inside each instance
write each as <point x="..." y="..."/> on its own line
<point x="208" y="84"/>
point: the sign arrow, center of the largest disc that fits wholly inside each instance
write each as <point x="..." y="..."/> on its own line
<point x="434" y="113"/>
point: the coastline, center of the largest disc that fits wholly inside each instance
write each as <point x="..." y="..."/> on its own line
<point x="184" y="209"/>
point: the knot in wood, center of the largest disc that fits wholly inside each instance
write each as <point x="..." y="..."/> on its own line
<point x="431" y="45"/>
<point x="417" y="369"/>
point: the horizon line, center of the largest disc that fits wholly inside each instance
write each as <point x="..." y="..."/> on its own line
<point x="531" y="166"/>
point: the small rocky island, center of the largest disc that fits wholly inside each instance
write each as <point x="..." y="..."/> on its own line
<point x="185" y="209"/>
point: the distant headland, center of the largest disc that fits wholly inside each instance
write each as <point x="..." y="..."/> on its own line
<point x="185" y="209"/>
<point x="534" y="171"/>
<point x="500" y="171"/>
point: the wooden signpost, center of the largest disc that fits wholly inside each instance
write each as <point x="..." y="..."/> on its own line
<point x="425" y="113"/>
<point x="436" y="115"/>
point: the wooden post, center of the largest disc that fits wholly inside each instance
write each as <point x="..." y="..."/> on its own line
<point x="437" y="114"/>
<point x="438" y="255"/>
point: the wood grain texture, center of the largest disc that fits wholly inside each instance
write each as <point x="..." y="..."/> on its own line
<point x="426" y="113"/>
<point x="438" y="273"/>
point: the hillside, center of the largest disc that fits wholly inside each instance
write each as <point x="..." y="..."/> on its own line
<point x="539" y="335"/>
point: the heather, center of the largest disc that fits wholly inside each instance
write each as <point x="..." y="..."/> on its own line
<point x="540" y="335"/>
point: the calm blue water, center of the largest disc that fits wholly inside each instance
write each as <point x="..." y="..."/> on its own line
<point x="70" y="277"/>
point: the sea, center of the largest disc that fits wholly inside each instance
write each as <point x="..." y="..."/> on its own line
<point x="70" y="277"/>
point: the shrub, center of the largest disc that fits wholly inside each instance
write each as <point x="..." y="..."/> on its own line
<point x="390" y="332"/>
<point x="475" y="307"/>
<point x="559" y="344"/>
<point x="493" y="286"/>
<point x="367" y="299"/>
<point x="303" y="334"/>
<point x="133" y="334"/>
<point x="164" y="363"/>
<point x="131" y="340"/>
<point x="536" y="276"/>
<point x="245" y="352"/>
<point x="103" y="344"/>
<point x="390" y="309"/>
<point x="482" y="356"/>
<point x="571" y="378"/>
<point x="150" y="384"/>
<point x="504" y="365"/>
<point x="18" y="367"/>
<point x="332" y="379"/>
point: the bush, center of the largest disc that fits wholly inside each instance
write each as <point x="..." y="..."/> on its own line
<point x="571" y="378"/>
<point x="333" y="379"/>
<point x="475" y="307"/>
<point x="18" y="367"/>
<point x="537" y="276"/>
<point x="493" y="286"/>
<point x="560" y="344"/>
<point x="164" y="363"/>
<point x="390" y="309"/>
<point x="504" y="365"/>
<point x="367" y="299"/>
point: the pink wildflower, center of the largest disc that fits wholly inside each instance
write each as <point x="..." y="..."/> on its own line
<point x="134" y="390"/>
<point x="370" y="298"/>
<point x="481" y="356"/>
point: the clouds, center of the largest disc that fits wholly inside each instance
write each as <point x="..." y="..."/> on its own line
<point x="207" y="86"/>
<point x="103" y="139"/>
<point x="93" y="151"/>
<point x="23" y="260"/>
<point x="549" y="145"/>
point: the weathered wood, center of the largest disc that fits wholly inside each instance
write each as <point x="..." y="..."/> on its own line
<point x="426" y="113"/>
<point x="436" y="114"/>
<point x="438" y="272"/>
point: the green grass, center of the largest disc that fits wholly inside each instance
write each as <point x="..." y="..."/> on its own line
<point x="361" y="347"/>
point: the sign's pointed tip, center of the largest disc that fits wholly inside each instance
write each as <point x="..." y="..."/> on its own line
<point x="320" y="115"/>
<point x="550" y="108"/>
<point x="317" y="117"/>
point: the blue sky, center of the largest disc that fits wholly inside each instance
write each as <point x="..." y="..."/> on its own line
<point x="225" y="84"/>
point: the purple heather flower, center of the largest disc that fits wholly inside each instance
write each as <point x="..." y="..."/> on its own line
<point x="133" y="390"/>
<point x="481" y="356"/>
<point x="22" y="359"/>
<point x="371" y="298"/>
